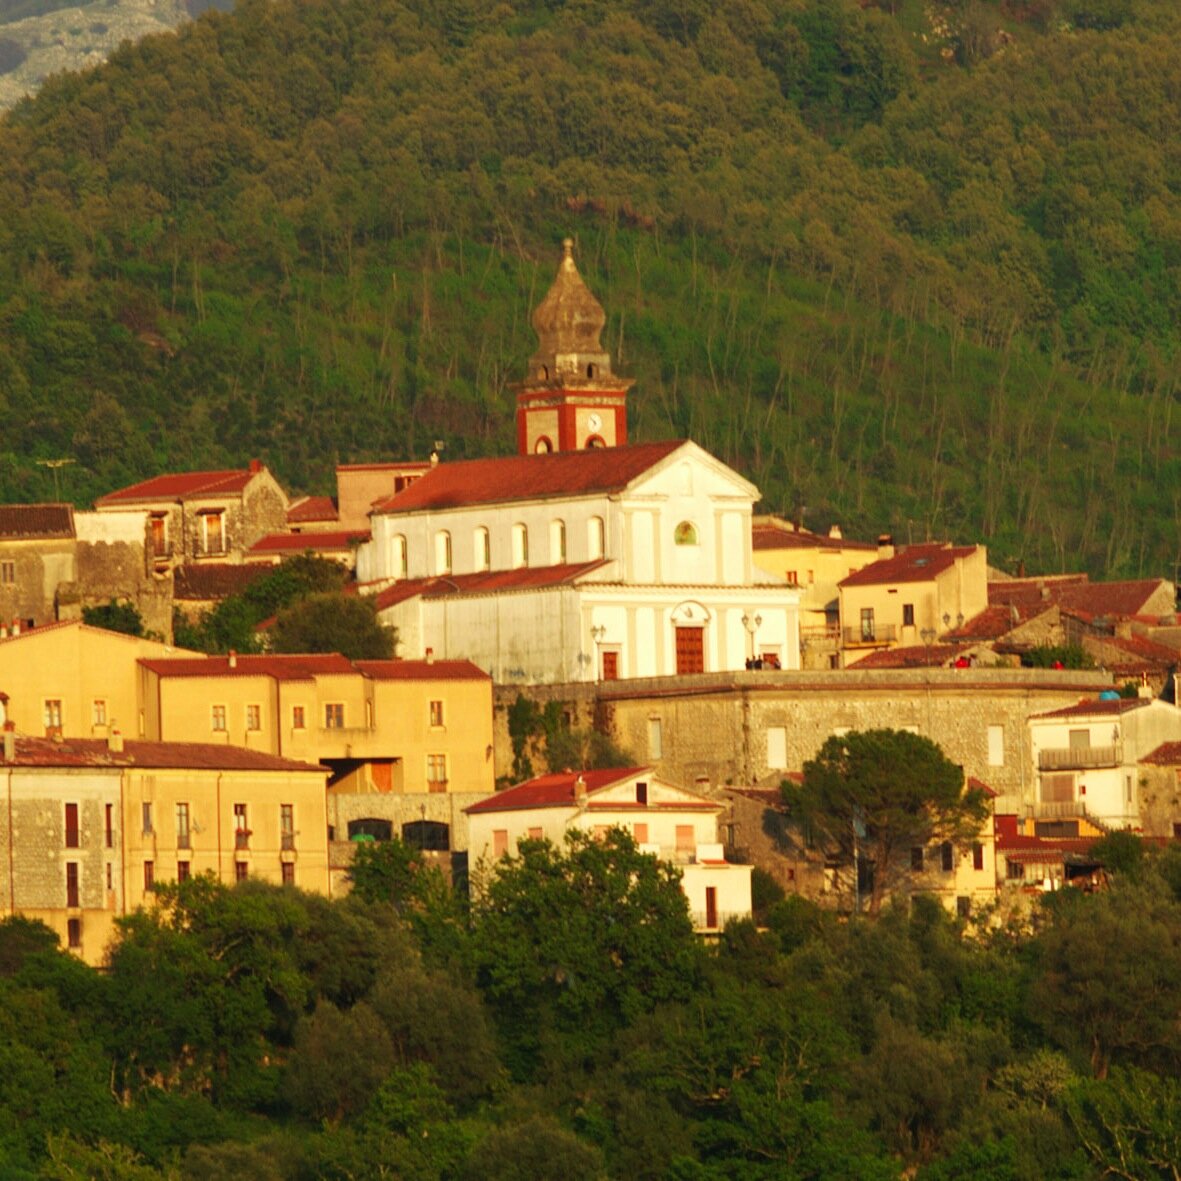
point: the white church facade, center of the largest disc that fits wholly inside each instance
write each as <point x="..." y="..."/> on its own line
<point x="582" y="557"/>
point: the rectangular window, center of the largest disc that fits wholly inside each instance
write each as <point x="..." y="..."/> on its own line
<point x="98" y="711"/>
<point x="711" y="907"/>
<point x="241" y="828"/>
<point x="53" y="713"/>
<point x="777" y="748"/>
<point x="71" y="826"/>
<point x="149" y="875"/>
<point x="241" y="871"/>
<point x="908" y="615"/>
<point x="655" y="739"/>
<point x="110" y="876"/>
<point x="499" y="842"/>
<point x="996" y="746"/>
<point x="213" y="534"/>
<point x="436" y="772"/>
<point x="146" y="811"/>
<point x="1080" y="740"/>
<point x="72" y="884"/>
<point x="218" y="718"/>
<point x="334" y="715"/>
<point x="535" y="834"/>
<point x="867" y="626"/>
<point x="792" y="577"/>
<point x="963" y="906"/>
<point x="182" y="826"/>
<point x="1128" y="787"/>
<point x="686" y="839"/>
<point x="287" y="826"/>
<point x="641" y="834"/>
<point x="253" y="717"/>
<point x="977" y="856"/>
<point x="7" y="573"/>
<point x="288" y="872"/>
<point x="436" y="713"/>
<point x="641" y="793"/>
<point x="916" y="858"/>
<point x="297" y="716"/>
<point x="947" y="856"/>
<point x="1014" y="870"/>
<point x="610" y="661"/>
<point x="182" y="871"/>
<point x="74" y="933"/>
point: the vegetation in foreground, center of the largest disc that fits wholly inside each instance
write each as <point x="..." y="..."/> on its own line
<point x="569" y="1025"/>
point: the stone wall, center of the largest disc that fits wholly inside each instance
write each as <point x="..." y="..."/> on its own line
<point x="399" y="809"/>
<point x="39" y="566"/>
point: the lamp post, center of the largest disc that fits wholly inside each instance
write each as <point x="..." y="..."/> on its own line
<point x="752" y="625"/>
<point x="598" y="635"/>
<point x="928" y="637"/>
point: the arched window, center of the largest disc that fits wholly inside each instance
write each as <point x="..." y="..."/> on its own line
<point x="427" y="834"/>
<point x="520" y="545"/>
<point x="442" y="552"/>
<point x="596" y="441"/>
<point x="543" y="446"/>
<point x="398" y="556"/>
<point x="557" y="542"/>
<point x="685" y="534"/>
<point x="371" y="829"/>
<point x="595" y="538"/>
<point x="590" y="371"/>
<point x="481" y="549"/>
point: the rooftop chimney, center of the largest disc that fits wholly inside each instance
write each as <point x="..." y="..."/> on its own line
<point x="16" y="627"/>
<point x="885" y="545"/>
<point x="834" y="531"/>
<point x="115" y="741"/>
<point x="430" y="656"/>
<point x="233" y="658"/>
<point x="580" y="789"/>
<point x="255" y="466"/>
<point x="9" y="742"/>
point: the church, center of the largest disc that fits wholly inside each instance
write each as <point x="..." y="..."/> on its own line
<point x="582" y="557"/>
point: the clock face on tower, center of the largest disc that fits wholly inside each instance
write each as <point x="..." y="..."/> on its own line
<point x="594" y="422"/>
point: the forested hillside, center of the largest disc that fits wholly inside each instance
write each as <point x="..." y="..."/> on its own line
<point x="908" y="267"/>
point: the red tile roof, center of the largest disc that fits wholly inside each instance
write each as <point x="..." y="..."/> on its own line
<point x="1077" y="594"/>
<point x="1168" y="754"/>
<point x="996" y="621"/>
<point x="215" y="580"/>
<point x="918" y="656"/>
<point x="1140" y="649"/>
<point x="483" y="583"/>
<point x="980" y="785"/>
<point x="312" y="508"/>
<point x="1094" y="707"/>
<point x="36" y="521"/>
<point x="779" y="535"/>
<point x="95" y="752"/>
<point x="552" y="791"/>
<point x="422" y="670"/>
<point x="327" y="539"/>
<point x="180" y="486"/>
<point x="1030" y="592"/>
<point x="296" y="667"/>
<point x="915" y="563"/>
<point x="528" y="477"/>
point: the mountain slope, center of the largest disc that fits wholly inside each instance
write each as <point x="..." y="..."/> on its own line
<point x="899" y="291"/>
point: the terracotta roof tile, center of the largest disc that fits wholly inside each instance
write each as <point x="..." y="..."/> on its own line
<point x="296" y="667"/>
<point x="778" y="535"/>
<point x="528" y="477"/>
<point x="1168" y="754"/>
<point x="915" y="563"/>
<point x="1077" y="594"/>
<point x="312" y="508"/>
<point x="422" y="670"/>
<point x="215" y="580"/>
<point x="552" y="791"/>
<point x="327" y="539"/>
<point x="1095" y="707"/>
<point x="485" y="582"/>
<point x="996" y="621"/>
<point x="1030" y="592"/>
<point x="917" y="656"/>
<point x="36" y="521"/>
<point x="181" y="485"/>
<point x="95" y="752"/>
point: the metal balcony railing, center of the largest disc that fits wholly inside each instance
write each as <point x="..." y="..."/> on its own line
<point x="880" y="633"/>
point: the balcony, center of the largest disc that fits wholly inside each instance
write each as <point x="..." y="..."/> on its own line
<point x="1082" y="758"/>
<point x="869" y="637"/>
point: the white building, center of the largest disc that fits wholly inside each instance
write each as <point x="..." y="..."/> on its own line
<point x="581" y="557"/>
<point x="1087" y="757"/>
<point x="666" y="821"/>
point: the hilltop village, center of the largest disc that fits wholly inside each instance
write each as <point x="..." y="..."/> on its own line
<point x="618" y="600"/>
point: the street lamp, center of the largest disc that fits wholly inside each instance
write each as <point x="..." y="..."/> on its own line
<point x="598" y="635"/>
<point x="752" y="625"/>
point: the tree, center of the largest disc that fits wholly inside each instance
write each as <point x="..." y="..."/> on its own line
<point x="573" y="944"/>
<point x="331" y="622"/>
<point x="115" y="617"/>
<point x="885" y="791"/>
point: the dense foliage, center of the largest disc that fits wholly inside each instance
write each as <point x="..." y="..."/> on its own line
<point x="571" y="1026"/>
<point x="910" y="266"/>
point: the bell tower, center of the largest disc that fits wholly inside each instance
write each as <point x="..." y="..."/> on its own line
<point x="571" y="399"/>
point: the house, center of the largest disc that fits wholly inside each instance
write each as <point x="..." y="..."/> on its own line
<point x="1088" y="758"/>
<point x="73" y="679"/>
<point x="1159" y="784"/>
<point x="665" y="820"/>
<point x="359" y="486"/>
<point x="582" y="557"/>
<point x="92" y="825"/>
<point x="203" y="516"/>
<point x="337" y="545"/>
<point x="36" y="557"/>
<point x="816" y="563"/>
<point x="912" y="596"/>
<point x="1032" y="859"/>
